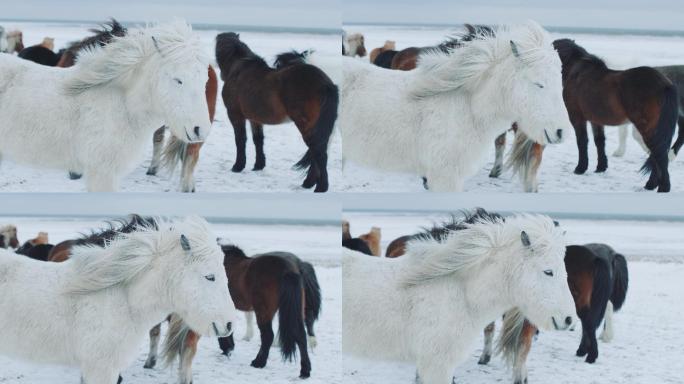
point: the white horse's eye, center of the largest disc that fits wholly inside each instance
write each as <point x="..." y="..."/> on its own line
<point x="177" y="80"/>
<point x="548" y="272"/>
<point x="210" y="277"/>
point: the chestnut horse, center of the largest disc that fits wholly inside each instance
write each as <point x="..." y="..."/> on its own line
<point x="175" y="150"/>
<point x="264" y="284"/>
<point x="256" y="92"/>
<point x="368" y="243"/>
<point x="407" y="58"/>
<point x="598" y="279"/>
<point x="37" y="248"/>
<point x="388" y="46"/>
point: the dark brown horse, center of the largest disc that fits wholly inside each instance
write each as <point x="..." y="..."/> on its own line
<point x="598" y="280"/>
<point x="264" y="284"/>
<point x="175" y="150"/>
<point x="368" y="243"/>
<point x="407" y="58"/>
<point x="256" y="92"/>
<point x="37" y="248"/>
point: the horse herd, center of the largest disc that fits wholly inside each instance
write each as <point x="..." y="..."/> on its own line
<point x="103" y="292"/>
<point x="430" y="295"/>
<point x="87" y="108"/>
<point x="443" y="105"/>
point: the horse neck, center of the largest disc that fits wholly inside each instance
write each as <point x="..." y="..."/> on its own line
<point x="497" y="113"/>
<point x="142" y="105"/>
<point x="148" y="300"/>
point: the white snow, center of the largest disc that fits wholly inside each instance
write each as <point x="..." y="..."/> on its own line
<point x="283" y="144"/>
<point x="648" y="330"/>
<point x="556" y="172"/>
<point x="317" y="244"/>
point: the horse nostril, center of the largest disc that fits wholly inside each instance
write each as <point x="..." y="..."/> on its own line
<point x="568" y="320"/>
<point x="559" y="133"/>
<point x="197" y="131"/>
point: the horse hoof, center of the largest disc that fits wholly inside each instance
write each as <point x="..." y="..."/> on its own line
<point x="664" y="189"/>
<point x="650" y="186"/>
<point x="308" y="184"/>
<point x="120" y="380"/>
<point x="152" y="171"/>
<point x="150" y="363"/>
<point x="259" y="165"/>
<point x="496" y="172"/>
<point x="601" y="169"/>
<point x="580" y="353"/>
<point x="74" y="175"/>
<point x="590" y="359"/>
<point x="484" y="359"/>
<point x="238" y="168"/>
<point x="258" y="364"/>
<point x="425" y="184"/>
<point x="321" y="188"/>
<point x="580" y="170"/>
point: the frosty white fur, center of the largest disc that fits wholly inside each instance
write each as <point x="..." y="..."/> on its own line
<point x="94" y="310"/>
<point x="97" y="117"/>
<point x="428" y="306"/>
<point x="438" y="120"/>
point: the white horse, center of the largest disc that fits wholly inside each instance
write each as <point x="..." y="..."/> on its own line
<point x="94" y="310"/>
<point x="428" y="306"/>
<point x="438" y="120"/>
<point x="95" y="118"/>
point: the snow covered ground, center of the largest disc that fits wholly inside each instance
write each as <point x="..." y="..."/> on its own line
<point x="556" y="172"/>
<point x="648" y="329"/>
<point x="283" y="145"/>
<point x="317" y="244"/>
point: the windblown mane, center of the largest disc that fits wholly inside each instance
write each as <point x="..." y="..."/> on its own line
<point x="438" y="72"/>
<point x="443" y="251"/>
<point x="98" y="66"/>
<point x="102" y="36"/>
<point x="231" y="51"/>
<point x="114" y="228"/>
<point x="127" y="255"/>
<point x="440" y="232"/>
<point x="292" y="57"/>
<point x="570" y="52"/>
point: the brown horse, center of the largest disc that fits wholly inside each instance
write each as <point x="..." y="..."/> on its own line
<point x="388" y="46"/>
<point x="598" y="280"/>
<point x="264" y="284"/>
<point x="37" y="248"/>
<point x="407" y="58"/>
<point x="256" y="92"/>
<point x="8" y="236"/>
<point x="175" y="150"/>
<point x="368" y="243"/>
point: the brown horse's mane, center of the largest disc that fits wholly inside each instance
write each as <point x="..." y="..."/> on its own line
<point x="231" y="51"/>
<point x="231" y="250"/>
<point x="570" y="52"/>
<point x="115" y="227"/>
<point x="439" y="232"/>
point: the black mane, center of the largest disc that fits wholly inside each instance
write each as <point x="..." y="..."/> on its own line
<point x="230" y="50"/>
<point x="570" y="52"/>
<point x="441" y="231"/>
<point x="102" y="36"/>
<point x="114" y="228"/>
<point x="292" y="57"/>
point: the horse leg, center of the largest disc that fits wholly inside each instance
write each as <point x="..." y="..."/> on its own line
<point x="258" y="140"/>
<point x="101" y="183"/>
<point x="266" y="341"/>
<point x="309" y="322"/>
<point x="592" y="345"/>
<point x="584" y="343"/>
<point x="520" y="361"/>
<point x="154" y="345"/>
<point x="322" y="162"/>
<point x="157" y="143"/>
<point x="187" y="355"/>
<point x="97" y="374"/>
<point x="623" y="131"/>
<point x="189" y="163"/>
<point x="600" y="142"/>
<point x="663" y="173"/>
<point x="488" y="338"/>
<point x="305" y="363"/>
<point x="238" y="121"/>
<point x="607" y="334"/>
<point x="431" y="370"/>
<point x="499" y="146"/>
<point x="227" y="345"/>
<point x="249" y="318"/>
<point x="680" y="139"/>
<point x="582" y="142"/>
<point x="531" y="182"/>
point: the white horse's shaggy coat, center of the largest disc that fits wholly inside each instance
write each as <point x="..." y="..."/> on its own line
<point x="96" y="117"/>
<point x="94" y="310"/>
<point x="429" y="306"/>
<point x="439" y="120"/>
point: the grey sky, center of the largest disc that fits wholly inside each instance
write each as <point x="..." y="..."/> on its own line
<point x="629" y="14"/>
<point x="281" y="13"/>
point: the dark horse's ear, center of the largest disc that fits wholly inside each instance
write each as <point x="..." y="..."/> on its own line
<point x="514" y="48"/>
<point x="185" y="244"/>
<point x="525" y="239"/>
<point x="556" y="224"/>
<point x="237" y="35"/>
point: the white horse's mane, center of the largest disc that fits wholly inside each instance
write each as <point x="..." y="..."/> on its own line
<point x="170" y="42"/>
<point x="464" y="66"/>
<point x="128" y="255"/>
<point x="467" y="248"/>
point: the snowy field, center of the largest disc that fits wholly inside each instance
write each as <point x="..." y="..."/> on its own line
<point x="283" y="145"/>
<point x="556" y="172"/>
<point x="648" y="329"/>
<point x="317" y="244"/>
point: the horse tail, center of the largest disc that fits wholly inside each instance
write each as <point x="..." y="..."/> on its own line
<point x="620" y="282"/>
<point x="601" y="290"/>
<point x="318" y="139"/>
<point x="659" y="142"/>
<point x="175" y="340"/>
<point x="312" y="291"/>
<point x="290" y="321"/>
<point x="173" y="153"/>
<point x="521" y="157"/>
<point x="510" y="338"/>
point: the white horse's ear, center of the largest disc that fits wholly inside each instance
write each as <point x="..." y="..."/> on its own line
<point x="525" y="239"/>
<point x="185" y="244"/>
<point x="514" y="48"/>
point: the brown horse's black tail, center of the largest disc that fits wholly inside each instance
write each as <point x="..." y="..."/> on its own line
<point x="620" y="282"/>
<point x="659" y="142"/>
<point x="312" y="291"/>
<point x="601" y="291"/>
<point x="319" y="138"/>
<point x="290" y="319"/>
